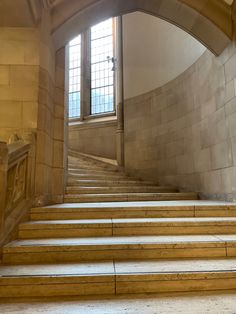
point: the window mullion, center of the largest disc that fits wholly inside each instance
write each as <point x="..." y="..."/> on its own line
<point x="85" y="75"/>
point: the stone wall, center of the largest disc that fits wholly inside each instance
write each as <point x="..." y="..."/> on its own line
<point x="166" y="52"/>
<point x="59" y="161"/>
<point x="184" y="133"/>
<point x="96" y="138"/>
<point x="32" y="100"/>
<point x="50" y="128"/>
<point x="19" y="76"/>
<point x="45" y="122"/>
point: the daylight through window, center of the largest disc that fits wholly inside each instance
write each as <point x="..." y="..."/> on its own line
<point x="100" y="42"/>
<point x="74" y="77"/>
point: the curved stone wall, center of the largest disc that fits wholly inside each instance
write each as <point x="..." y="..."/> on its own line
<point x="184" y="133"/>
<point x="154" y="52"/>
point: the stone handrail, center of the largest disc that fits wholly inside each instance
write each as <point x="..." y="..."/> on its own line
<point x="16" y="183"/>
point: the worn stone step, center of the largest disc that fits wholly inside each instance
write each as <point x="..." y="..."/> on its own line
<point x="93" y="160"/>
<point x="145" y="209"/>
<point x="130" y="197"/>
<point x="122" y="248"/>
<point x="103" y="177"/>
<point x="78" y="279"/>
<point x="174" y="276"/>
<point x="104" y="183"/>
<point x="126" y="227"/>
<point x="119" y="189"/>
<point x="117" y="277"/>
<point x="87" y="165"/>
<point x="95" y="172"/>
<point x="90" y="171"/>
<point x="94" y="176"/>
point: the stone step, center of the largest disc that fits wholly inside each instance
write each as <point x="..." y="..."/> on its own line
<point x="96" y="172"/>
<point x="104" y="183"/>
<point x="62" y="250"/>
<point x="126" y="227"/>
<point x="130" y="197"/>
<point x="174" y="276"/>
<point x="119" y="189"/>
<point x="146" y="209"/>
<point x="89" y="171"/>
<point x="98" y="177"/>
<point x="86" y="165"/>
<point x="117" y="277"/>
<point x="57" y="280"/>
<point x="93" y="161"/>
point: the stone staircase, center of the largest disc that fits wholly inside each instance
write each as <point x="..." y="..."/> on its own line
<point x="91" y="180"/>
<point x="120" y="247"/>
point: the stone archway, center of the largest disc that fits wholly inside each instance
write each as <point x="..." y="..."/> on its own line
<point x="209" y="21"/>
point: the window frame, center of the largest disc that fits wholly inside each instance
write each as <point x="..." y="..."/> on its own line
<point x="72" y="69"/>
<point x="85" y="78"/>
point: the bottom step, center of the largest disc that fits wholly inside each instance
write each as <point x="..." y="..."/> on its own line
<point x="113" y="278"/>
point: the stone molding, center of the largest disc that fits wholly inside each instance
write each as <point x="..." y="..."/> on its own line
<point x="208" y="21"/>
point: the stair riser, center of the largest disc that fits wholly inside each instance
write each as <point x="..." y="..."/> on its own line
<point x="108" y="190"/>
<point x="91" y="172"/>
<point x="91" y="167"/>
<point x="104" y="183"/>
<point x="64" y="233"/>
<point x="128" y="198"/>
<point x="145" y="212"/>
<point x="72" y="254"/>
<point x="111" y="214"/>
<point x="58" y="289"/>
<point x="128" y="231"/>
<point x="109" y="177"/>
<point x="121" y="285"/>
<point x="175" y="285"/>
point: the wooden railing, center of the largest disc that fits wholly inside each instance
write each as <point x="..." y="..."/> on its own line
<point x="16" y="183"/>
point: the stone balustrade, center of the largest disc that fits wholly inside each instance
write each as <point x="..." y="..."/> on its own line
<point x="16" y="183"/>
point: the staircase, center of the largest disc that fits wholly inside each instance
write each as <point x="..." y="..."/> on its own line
<point x="91" y="180"/>
<point x="119" y="235"/>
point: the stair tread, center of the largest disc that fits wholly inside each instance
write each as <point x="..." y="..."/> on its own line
<point x="154" y="205"/>
<point x="129" y="222"/>
<point x="88" y="269"/>
<point x="129" y="268"/>
<point x="173" y="240"/>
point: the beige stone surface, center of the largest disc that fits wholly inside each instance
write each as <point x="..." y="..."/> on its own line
<point x="204" y="22"/>
<point x="4" y="75"/>
<point x="192" y="145"/>
<point x="101" y="138"/>
<point x="211" y="302"/>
